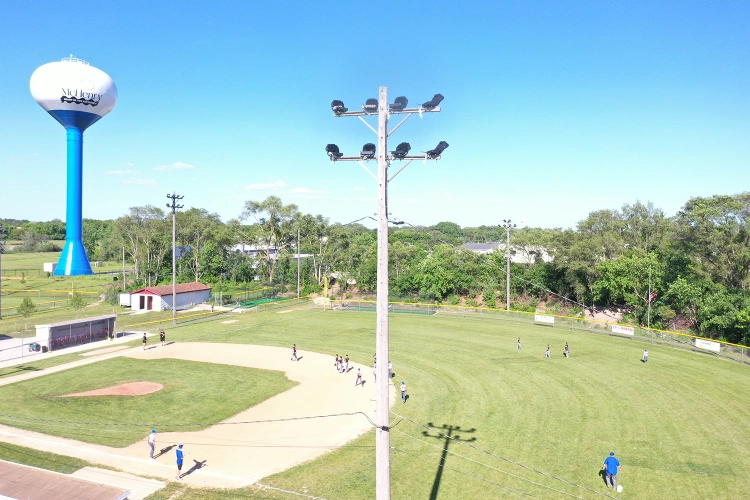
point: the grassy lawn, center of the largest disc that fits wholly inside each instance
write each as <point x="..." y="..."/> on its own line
<point x="41" y="459"/>
<point x="193" y="392"/>
<point x="34" y="261"/>
<point x="679" y="424"/>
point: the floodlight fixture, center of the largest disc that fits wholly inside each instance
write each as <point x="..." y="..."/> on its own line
<point x="371" y="106"/>
<point x="435" y="153"/>
<point x="401" y="150"/>
<point x="333" y="152"/>
<point x="338" y="107"/>
<point x="368" y="151"/>
<point x="434" y="102"/>
<point x="399" y="104"/>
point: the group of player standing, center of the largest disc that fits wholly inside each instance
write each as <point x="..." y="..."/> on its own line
<point x="162" y="338"/>
<point x="548" y="352"/>
<point x="342" y="364"/>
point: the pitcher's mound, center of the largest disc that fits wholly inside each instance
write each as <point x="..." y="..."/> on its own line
<point x="131" y="389"/>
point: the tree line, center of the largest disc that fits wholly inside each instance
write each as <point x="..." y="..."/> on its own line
<point x="696" y="263"/>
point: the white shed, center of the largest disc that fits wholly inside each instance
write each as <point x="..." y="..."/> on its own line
<point x="159" y="298"/>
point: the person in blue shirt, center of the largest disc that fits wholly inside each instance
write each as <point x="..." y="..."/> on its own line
<point x="612" y="467"/>
<point x="180" y="457"/>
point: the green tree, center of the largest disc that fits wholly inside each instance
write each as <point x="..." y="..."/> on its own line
<point x="26" y="309"/>
<point x="77" y="302"/>
<point x="276" y="228"/>
<point x="716" y="232"/>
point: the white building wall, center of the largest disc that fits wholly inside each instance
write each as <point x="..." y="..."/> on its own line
<point x="187" y="298"/>
<point x="135" y="302"/>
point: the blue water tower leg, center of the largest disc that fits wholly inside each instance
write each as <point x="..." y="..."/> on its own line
<point x="74" y="261"/>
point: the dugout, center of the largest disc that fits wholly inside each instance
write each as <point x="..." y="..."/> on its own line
<point x="56" y="336"/>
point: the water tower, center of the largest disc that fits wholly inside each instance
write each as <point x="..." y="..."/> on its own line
<point x="76" y="95"/>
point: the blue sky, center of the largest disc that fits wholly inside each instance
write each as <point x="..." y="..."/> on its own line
<point x="552" y="109"/>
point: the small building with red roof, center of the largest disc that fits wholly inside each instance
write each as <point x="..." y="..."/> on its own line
<point x="159" y="298"/>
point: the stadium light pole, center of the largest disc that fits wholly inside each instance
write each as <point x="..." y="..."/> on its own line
<point x="507" y="225"/>
<point x="383" y="110"/>
<point x="174" y="206"/>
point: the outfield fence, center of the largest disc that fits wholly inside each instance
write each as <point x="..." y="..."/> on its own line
<point x="677" y="340"/>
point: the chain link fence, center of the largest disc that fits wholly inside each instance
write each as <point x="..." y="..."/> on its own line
<point x="677" y="340"/>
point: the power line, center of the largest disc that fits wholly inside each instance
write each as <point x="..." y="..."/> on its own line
<point x="169" y="425"/>
<point x="291" y="492"/>
<point x="489" y="466"/>
<point x="506" y="459"/>
<point x="445" y="467"/>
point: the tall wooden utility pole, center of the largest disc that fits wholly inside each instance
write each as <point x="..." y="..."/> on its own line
<point x="174" y="206"/>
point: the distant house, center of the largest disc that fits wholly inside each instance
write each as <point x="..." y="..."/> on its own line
<point x="260" y="251"/>
<point x="483" y="248"/>
<point x="159" y="298"/>
<point x="519" y="254"/>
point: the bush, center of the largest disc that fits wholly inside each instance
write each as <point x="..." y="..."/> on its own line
<point x="489" y="298"/>
<point x="453" y="300"/>
<point x="472" y="303"/>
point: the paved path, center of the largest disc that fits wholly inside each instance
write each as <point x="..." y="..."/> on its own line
<point x="139" y="487"/>
<point x="239" y="455"/>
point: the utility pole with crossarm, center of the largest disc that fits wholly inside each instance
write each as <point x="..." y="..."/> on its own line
<point x="380" y="108"/>
<point x="174" y="206"/>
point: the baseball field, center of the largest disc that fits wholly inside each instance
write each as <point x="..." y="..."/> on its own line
<point x="483" y="420"/>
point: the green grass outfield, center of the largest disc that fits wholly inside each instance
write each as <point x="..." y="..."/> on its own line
<point x="679" y="425"/>
<point x="193" y="392"/>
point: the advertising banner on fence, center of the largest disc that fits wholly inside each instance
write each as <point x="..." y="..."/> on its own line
<point x="708" y="345"/>
<point x="538" y="318"/>
<point x="625" y="330"/>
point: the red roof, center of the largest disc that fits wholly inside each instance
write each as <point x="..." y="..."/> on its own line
<point x="167" y="289"/>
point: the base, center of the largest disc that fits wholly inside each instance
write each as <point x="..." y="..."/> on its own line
<point x="73" y="261"/>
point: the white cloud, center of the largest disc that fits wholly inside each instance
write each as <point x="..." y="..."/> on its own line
<point x="130" y="164"/>
<point x="178" y="165"/>
<point x="358" y="188"/>
<point x="266" y="186"/>
<point x="302" y="190"/>
<point x="122" y="172"/>
<point x="139" y="181"/>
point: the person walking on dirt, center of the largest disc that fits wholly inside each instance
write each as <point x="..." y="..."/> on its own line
<point x="180" y="457"/>
<point x="294" y="353"/>
<point x="152" y="442"/>
<point x="162" y="337"/>
<point x="346" y="365"/>
<point x="359" y="378"/>
<point x="144" y="341"/>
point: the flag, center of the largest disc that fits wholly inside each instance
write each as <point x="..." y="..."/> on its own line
<point x="651" y="297"/>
